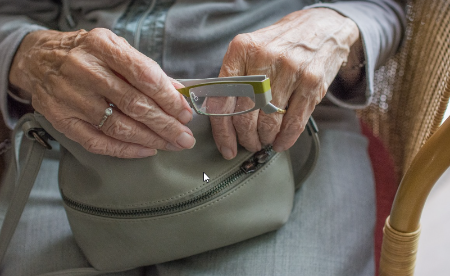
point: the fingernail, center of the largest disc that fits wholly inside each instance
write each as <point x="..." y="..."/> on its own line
<point x="172" y="147"/>
<point x="185" y="116"/>
<point x="186" y="141"/>
<point x="278" y="148"/>
<point x="227" y="153"/>
<point x="147" y="152"/>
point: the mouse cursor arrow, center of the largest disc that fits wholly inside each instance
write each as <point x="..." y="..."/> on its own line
<point x="205" y="177"/>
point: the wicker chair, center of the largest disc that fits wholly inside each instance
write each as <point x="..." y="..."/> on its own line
<point x="412" y="93"/>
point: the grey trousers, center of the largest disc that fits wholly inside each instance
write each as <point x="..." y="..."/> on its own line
<point x="330" y="231"/>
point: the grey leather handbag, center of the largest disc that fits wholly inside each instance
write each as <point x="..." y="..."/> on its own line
<point x="127" y="213"/>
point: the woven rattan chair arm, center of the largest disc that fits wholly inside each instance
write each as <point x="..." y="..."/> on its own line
<point x="429" y="164"/>
<point x="402" y="229"/>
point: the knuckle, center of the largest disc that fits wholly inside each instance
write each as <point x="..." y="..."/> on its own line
<point x="294" y="125"/>
<point x="222" y="136"/>
<point x="244" y="123"/>
<point x="155" y="143"/>
<point x="273" y="54"/>
<point x="136" y="106"/>
<point x="170" y="103"/>
<point x="240" y="41"/>
<point x="148" y="73"/>
<point x="73" y="63"/>
<point x="94" y="37"/>
<point x="220" y="130"/>
<point x="167" y="127"/>
<point x="122" y="152"/>
<point x="321" y="93"/>
<point x="80" y="37"/>
<point x="236" y="55"/>
<point x="96" y="145"/>
<point x="104" y="42"/>
<point x="288" y="63"/>
<point x="123" y="40"/>
<point x="312" y="78"/>
<point x="99" y="33"/>
<point x="314" y="81"/>
<point x="63" y="125"/>
<point x="269" y="124"/>
<point x="120" y="130"/>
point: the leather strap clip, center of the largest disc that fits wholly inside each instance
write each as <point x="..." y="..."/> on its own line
<point x="34" y="131"/>
<point x="41" y="137"/>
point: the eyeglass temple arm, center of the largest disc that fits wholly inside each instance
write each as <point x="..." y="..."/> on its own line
<point x="191" y="82"/>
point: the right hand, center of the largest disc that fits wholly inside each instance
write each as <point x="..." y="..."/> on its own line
<point x="72" y="77"/>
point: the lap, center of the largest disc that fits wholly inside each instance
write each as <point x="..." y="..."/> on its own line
<point x="330" y="231"/>
<point x="42" y="242"/>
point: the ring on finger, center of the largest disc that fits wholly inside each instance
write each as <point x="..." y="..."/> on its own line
<point x="281" y="111"/>
<point x="108" y="112"/>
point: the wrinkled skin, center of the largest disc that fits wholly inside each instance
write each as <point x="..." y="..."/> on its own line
<point x="72" y="77"/>
<point x="301" y="54"/>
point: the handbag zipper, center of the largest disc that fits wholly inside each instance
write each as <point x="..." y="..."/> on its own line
<point x="249" y="166"/>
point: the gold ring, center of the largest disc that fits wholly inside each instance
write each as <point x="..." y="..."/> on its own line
<point x="281" y="111"/>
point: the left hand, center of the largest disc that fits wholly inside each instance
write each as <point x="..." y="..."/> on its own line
<point x="301" y="54"/>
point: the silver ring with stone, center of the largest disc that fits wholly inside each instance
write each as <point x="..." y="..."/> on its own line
<point x="108" y="112"/>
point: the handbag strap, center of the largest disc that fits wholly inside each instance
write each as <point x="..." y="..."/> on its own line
<point x="313" y="155"/>
<point x="24" y="179"/>
<point x="27" y="171"/>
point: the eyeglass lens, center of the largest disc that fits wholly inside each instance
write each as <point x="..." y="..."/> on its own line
<point x="223" y="99"/>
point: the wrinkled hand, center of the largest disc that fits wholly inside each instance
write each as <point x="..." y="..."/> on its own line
<point x="72" y="77"/>
<point x="301" y="54"/>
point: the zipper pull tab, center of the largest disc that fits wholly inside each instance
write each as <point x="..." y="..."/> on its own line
<point x="248" y="166"/>
<point x="261" y="156"/>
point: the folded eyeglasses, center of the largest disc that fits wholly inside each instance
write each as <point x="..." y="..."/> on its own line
<point x="230" y="95"/>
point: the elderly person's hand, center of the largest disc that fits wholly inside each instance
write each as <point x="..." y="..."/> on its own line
<point x="73" y="77"/>
<point x="301" y="54"/>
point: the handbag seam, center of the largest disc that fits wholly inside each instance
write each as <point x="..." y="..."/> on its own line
<point x="139" y="220"/>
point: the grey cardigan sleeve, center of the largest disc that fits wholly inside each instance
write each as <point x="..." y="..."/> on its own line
<point x="17" y="19"/>
<point x="381" y="24"/>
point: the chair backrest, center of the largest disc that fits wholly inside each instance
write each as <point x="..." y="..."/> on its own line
<point x="411" y="90"/>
